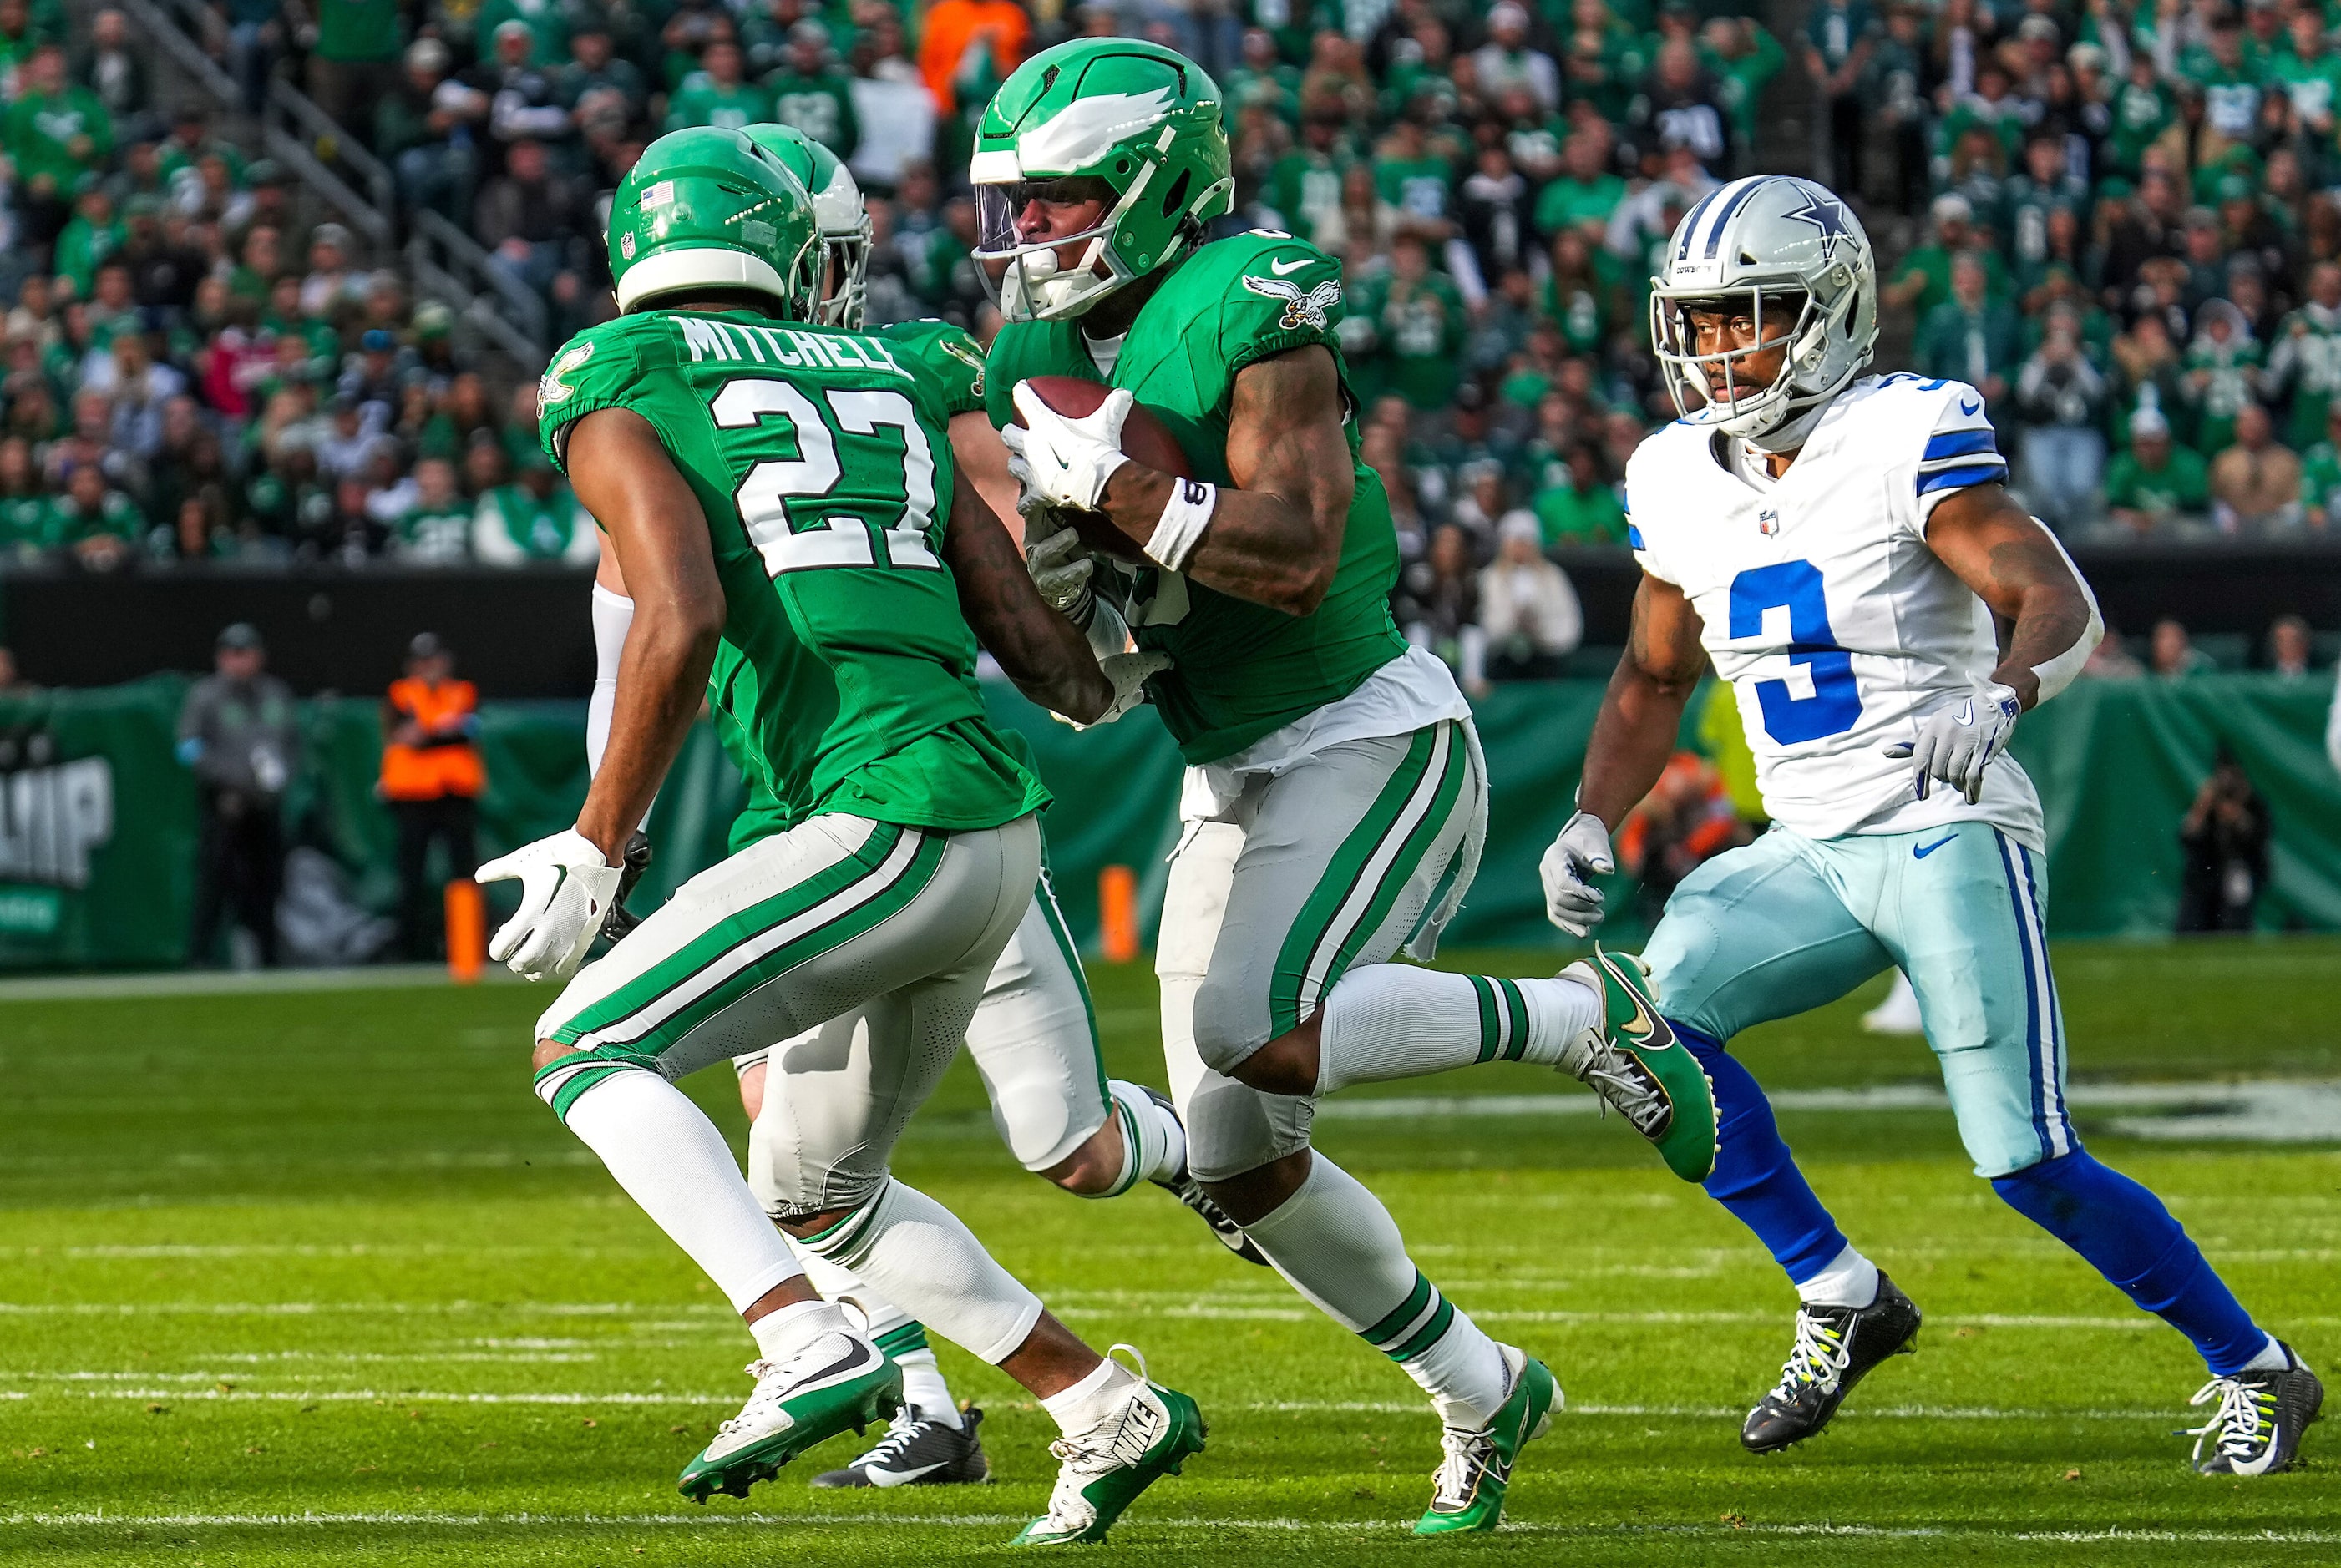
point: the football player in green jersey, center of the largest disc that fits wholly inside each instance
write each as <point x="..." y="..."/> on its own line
<point x="1335" y="800"/>
<point x="783" y="490"/>
<point x="1034" y="1038"/>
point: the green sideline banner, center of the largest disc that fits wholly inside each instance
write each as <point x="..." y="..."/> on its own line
<point x="98" y="817"/>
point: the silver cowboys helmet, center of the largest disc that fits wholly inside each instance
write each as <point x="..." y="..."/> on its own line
<point x="1776" y="249"/>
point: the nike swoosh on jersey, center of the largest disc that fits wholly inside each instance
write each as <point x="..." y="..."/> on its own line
<point x="1920" y="851"/>
<point x="1967" y="408"/>
<point x="1280" y="268"/>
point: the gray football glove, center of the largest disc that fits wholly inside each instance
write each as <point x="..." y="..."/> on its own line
<point x="1957" y="743"/>
<point x="1581" y="853"/>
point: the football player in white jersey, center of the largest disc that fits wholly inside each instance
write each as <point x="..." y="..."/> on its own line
<point x="1841" y="547"/>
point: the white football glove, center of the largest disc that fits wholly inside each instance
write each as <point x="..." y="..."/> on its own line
<point x="1065" y="462"/>
<point x="1957" y="743"/>
<point x="566" y="889"/>
<point x="1129" y="672"/>
<point x="1060" y="564"/>
<point x="1581" y="853"/>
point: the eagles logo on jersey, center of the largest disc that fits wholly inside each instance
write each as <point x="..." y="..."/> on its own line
<point x="1301" y="310"/>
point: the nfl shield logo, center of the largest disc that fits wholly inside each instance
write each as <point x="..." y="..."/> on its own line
<point x="626" y="246"/>
<point x="1767" y="521"/>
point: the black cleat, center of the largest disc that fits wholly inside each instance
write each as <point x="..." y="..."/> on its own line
<point x="1189" y="1191"/>
<point x="2255" y="1431"/>
<point x="916" y="1453"/>
<point x="1836" y="1347"/>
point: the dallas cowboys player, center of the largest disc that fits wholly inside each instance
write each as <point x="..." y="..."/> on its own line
<point x="1841" y="546"/>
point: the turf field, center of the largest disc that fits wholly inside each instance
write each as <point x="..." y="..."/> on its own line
<point x="308" y="1275"/>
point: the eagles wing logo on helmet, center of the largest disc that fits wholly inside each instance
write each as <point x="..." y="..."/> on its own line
<point x="1300" y="309"/>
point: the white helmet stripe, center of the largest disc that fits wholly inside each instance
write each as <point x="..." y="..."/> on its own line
<point x="1728" y="203"/>
<point x="1690" y="221"/>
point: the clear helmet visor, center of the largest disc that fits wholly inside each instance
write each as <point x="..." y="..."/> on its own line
<point x="1048" y="277"/>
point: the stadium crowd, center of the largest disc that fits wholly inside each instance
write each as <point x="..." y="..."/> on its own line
<point x="2117" y="223"/>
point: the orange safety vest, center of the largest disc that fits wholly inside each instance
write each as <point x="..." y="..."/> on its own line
<point x="449" y="765"/>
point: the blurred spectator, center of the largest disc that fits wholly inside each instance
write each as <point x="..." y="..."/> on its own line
<point x="718" y="92"/>
<point x="431" y="779"/>
<point x="535" y="520"/>
<point x="1970" y="337"/>
<point x="426" y="128"/>
<point x="1507" y="61"/>
<point x="2154" y="480"/>
<point x="54" y="133"/>
<point x="1437" y="608"/>
<point x="436" y="531"/>
<point x="1527" y="607"/>
<point x="2060" y="397"/>
<point x="2112" y="660"/>
<point x="2175" y="657"/>
<point x="115" y="68"/>
<point x="2291" y="651"/>
<point x="1585" y="508"/>
<point x="1686" y="820"/>
<point x="1839" y="35"/>
<point x="2225" y="838"/>
<point x="2255" y="483"/>
<point x="528" y="217"/>
<point x="809" y="92"/>
<point x="355" y="58"/>
<point x="237" y="731"/>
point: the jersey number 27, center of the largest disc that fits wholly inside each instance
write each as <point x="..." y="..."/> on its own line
<point x="847" y="539"/>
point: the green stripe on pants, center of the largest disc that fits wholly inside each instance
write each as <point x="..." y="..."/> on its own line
<point x="1348" y="864"/>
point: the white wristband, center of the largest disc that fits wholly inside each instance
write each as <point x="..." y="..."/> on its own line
<point x="2058" y="673"/>
<point x="1184" y="517"/>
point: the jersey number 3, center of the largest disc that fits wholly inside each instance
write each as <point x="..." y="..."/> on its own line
<point x="848" y="538"/>
<point x="1835" y="706"/>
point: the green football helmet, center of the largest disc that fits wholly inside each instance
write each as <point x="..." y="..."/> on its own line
<point x="708" y="209"/>
<point x="846" y="236"/>
<point x="1142" y="119"/>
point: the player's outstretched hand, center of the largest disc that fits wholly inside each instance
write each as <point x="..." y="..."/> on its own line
<point x="1062" y="461"/>
<point x="1955" y="744"/>
<point x="1060" y="564"/>
<point x="1581" y="853"/>
<point x="1130" y="673"/>
<point x="566" y="889"/>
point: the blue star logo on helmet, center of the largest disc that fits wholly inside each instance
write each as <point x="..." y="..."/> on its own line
<point x="1828" y="217"/>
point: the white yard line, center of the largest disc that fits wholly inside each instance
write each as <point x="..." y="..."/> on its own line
<point x="222" y="982"/>
<point x="1312" y="1527"/>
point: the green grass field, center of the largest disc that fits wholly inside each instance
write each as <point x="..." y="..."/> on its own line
<point x="299" y="1276"/>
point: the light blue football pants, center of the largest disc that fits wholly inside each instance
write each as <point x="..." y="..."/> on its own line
<point x="1789" y="923"/>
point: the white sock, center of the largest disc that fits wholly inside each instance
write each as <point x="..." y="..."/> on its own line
<point x="901" y="1337"/>
<point x="781" y="1333"/>
<point x="1385" y="1021"/>
<point x="924" y="1390"/>
<point x="673" y="1162"/>
<point x="1094" y="1400"/>
<point x="916" y="1251"/>
<point x="1339" y="1246"/>
<point x="2270" y="1359"/>
<point x="1153" y="1144"/>
<point x="1849" y="1280"/>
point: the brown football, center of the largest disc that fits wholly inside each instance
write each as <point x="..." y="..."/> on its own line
<point x="1144" y="437"/>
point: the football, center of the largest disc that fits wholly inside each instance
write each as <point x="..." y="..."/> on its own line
<point x="1144" y="437"/>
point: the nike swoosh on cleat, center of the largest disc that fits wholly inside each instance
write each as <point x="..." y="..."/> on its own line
<point x="1920" y="851"/>
<point x="905" y="1477"/>
<point x="858" y="1358"/>
<point x="1280" y="268"/>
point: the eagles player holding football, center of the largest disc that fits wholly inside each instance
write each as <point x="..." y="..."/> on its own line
<point x="784" y="489"/>
<point x="1841" y="547"/>
<point x="1335" y="800"/>
<point x="1034" y="1040"/>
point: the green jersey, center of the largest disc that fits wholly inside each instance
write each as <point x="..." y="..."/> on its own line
<point x="1243" y="670"/>
<point x="952" y="364"/>
<point x="820" y="106"/>
<point x="701" y="101"/>
<point x="820" y="459"/>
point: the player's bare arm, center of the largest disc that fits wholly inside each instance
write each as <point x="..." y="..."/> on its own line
<point x="1634" y="734"/>
<point x="1042" y="652"/>
<point x="2013" y="565"/>
<point x="977" y="453"/>
<point x="658" y="535"/>
<point x="1276" y="538"/>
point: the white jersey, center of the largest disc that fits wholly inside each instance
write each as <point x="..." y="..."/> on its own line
<point x="1837" y="627"/>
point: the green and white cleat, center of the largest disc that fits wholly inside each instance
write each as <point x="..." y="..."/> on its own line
<point x="1100" y="1472"/>
<point x="1469" y="1486"/>
<point x="1634" y="1062"/>
<point x="840" y="1381"/>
